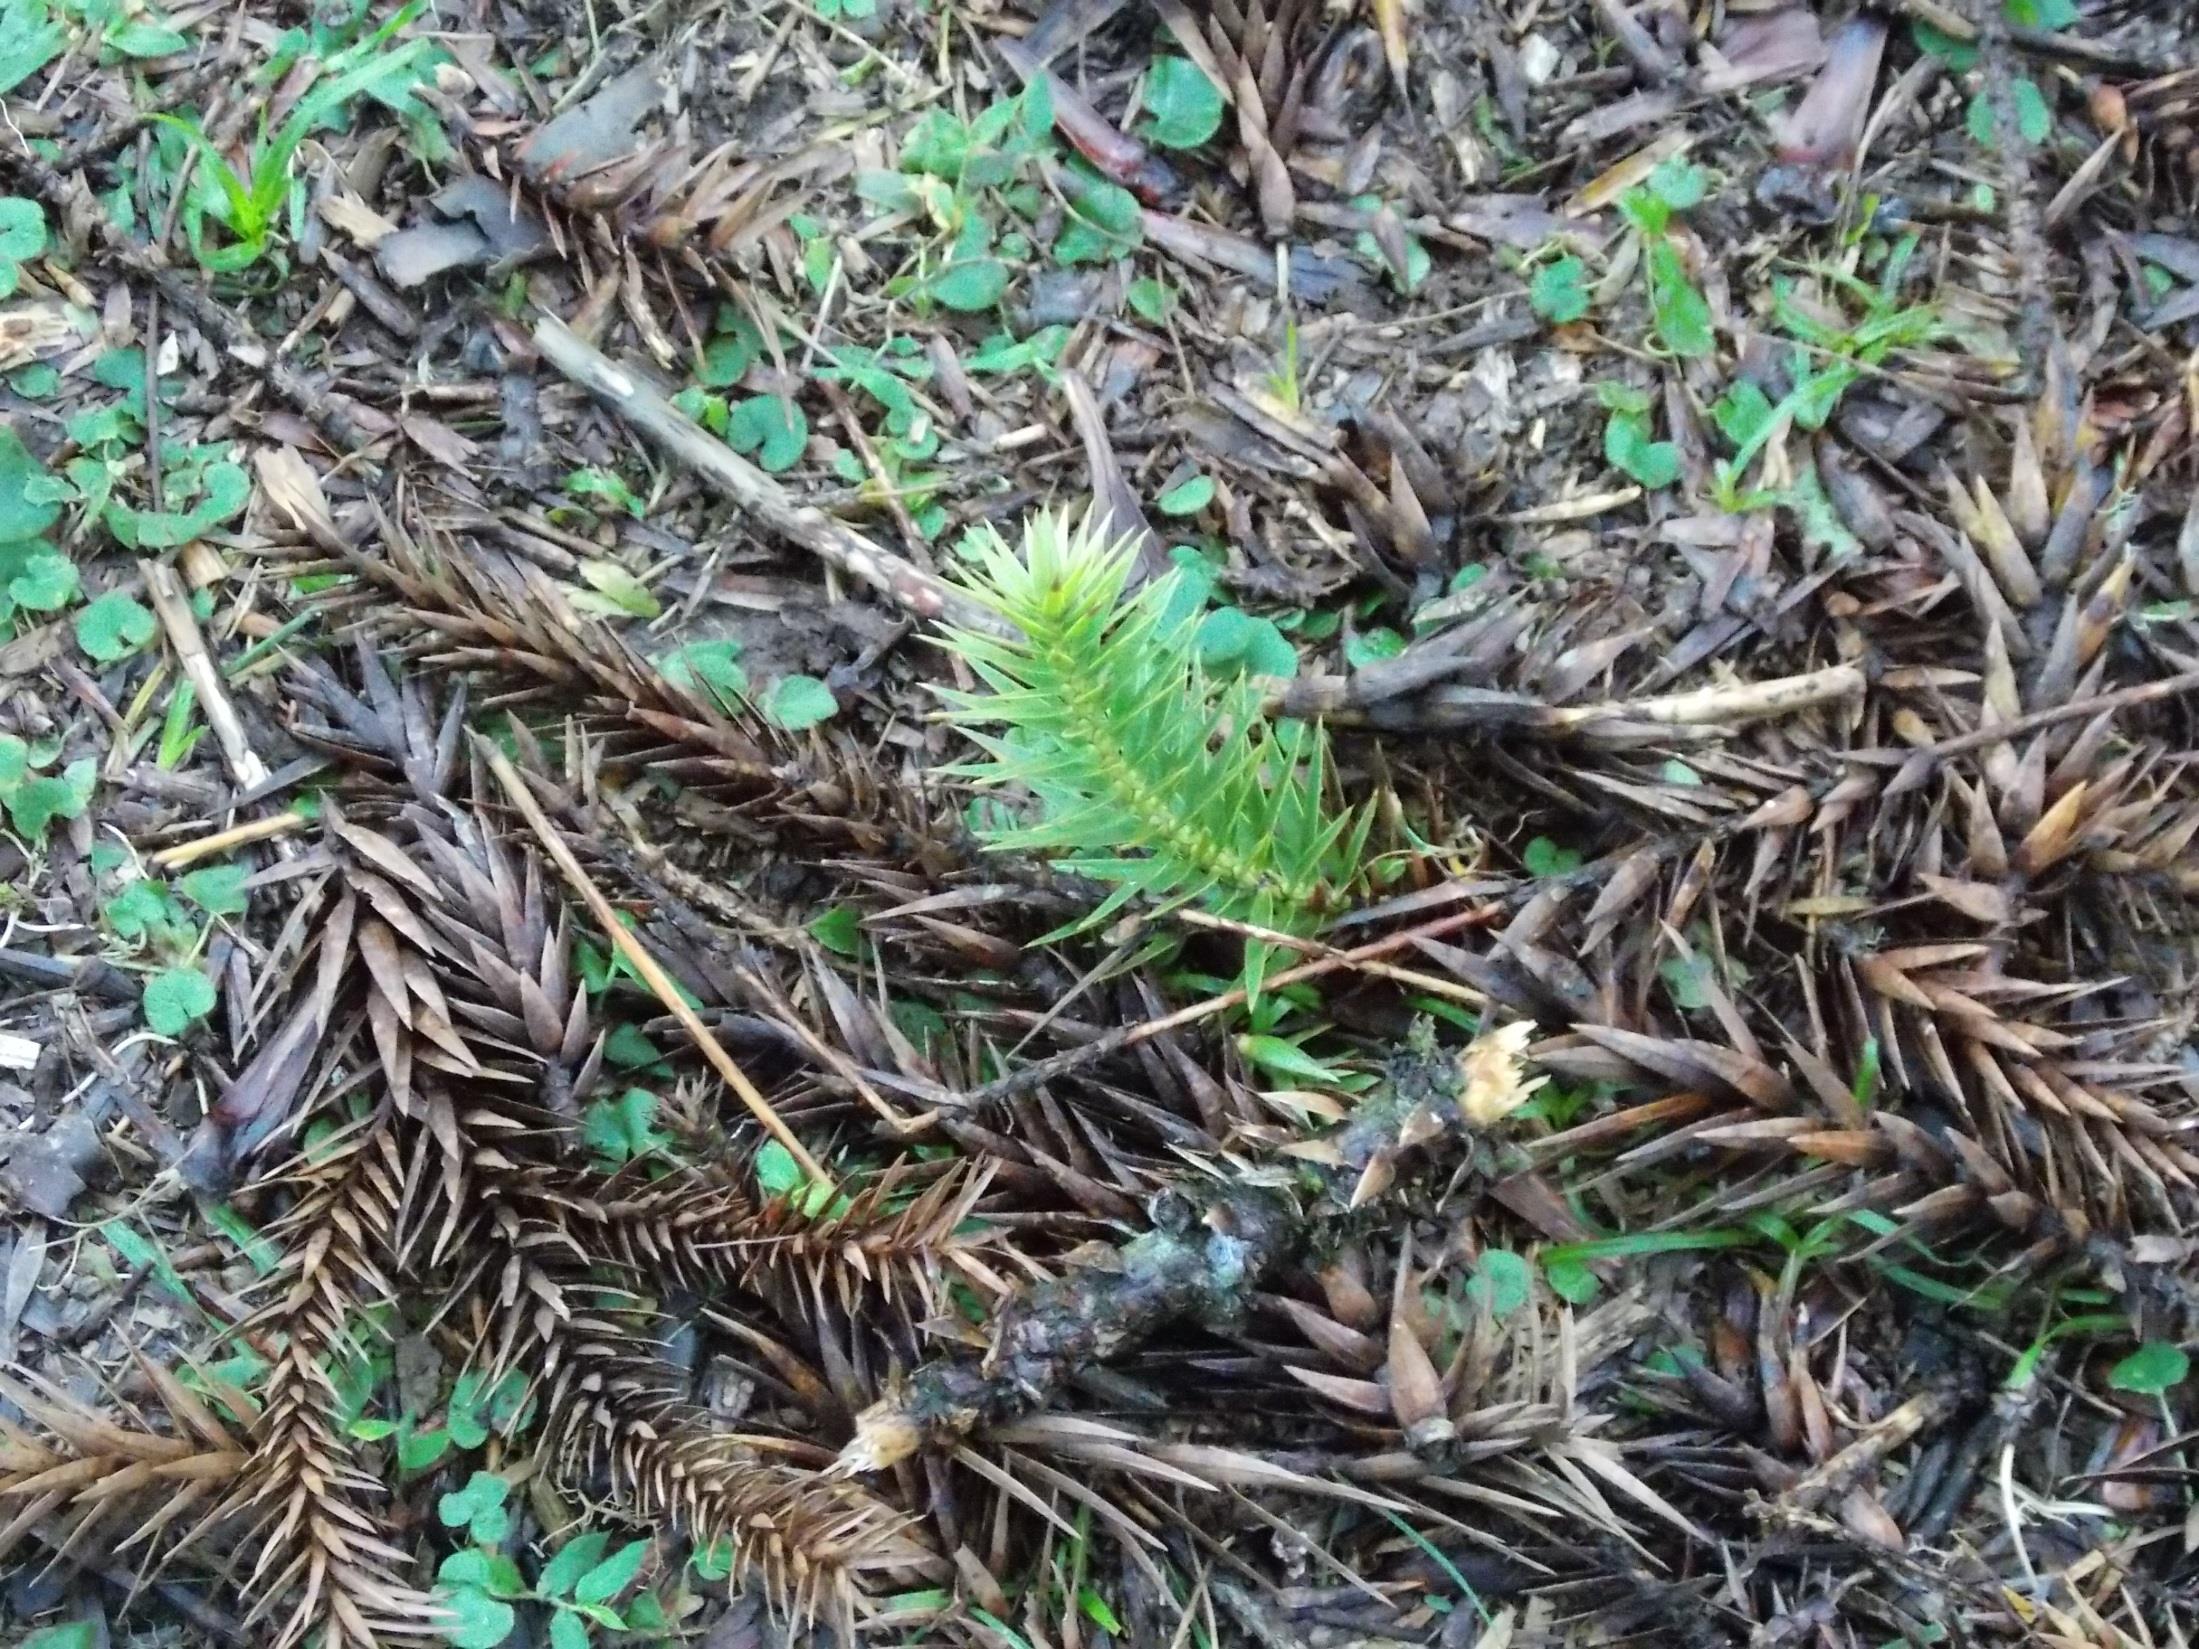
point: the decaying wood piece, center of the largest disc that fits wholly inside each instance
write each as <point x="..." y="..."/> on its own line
<point x="1212" y="1243"/>
<point x="1389" y="700"/>
<point x="1204" y="1255"/>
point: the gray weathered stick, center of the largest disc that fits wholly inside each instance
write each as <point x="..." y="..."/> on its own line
<point x="833" y="542"/>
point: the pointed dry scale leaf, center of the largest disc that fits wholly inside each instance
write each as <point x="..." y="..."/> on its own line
<point x="502" y="617"/>
<point x="863" y="1251"/>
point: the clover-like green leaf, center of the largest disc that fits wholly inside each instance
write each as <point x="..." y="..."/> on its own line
<point x="35" y="802"/>
<point x="141" y="909"/>
<point x="2151" y="1369"/>
<point x="43" y="581"/>
<point x="797" y="702"/>
<point x="1679" y="182"/>
<point x="114" y="626"/>
<point x="770" y="426"/>
<point x="176" y="999"/>
<point x="478" y="1621"/>
<point x="218" y="890"/>
<point x="224" y="491"/>
<point x="1184" y="107"/>
<point x="1559" y="291"/>
<point x="22" y="237"/>
<point x="481" y="1508"/>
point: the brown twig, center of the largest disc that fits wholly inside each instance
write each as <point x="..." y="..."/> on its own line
<point x="651" y="971"/>
<point x="1921" y="762"/>
<point x="222" y="841"/>
<point x="153" y="490"/>
<point x="1636" y="42"/>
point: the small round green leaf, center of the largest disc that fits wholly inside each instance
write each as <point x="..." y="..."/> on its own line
<point x="1502" y="1282"/>
<point x="575" y="1558"/>
<point x="777" y="1171"/>
<point x="1372" y="646"/>
<point x="770" y="426"/>
<point x="30" y="497"/>
<point x="797" y="702"/>
<point x="22" y="235"/>
<point x="1151" y="298"/>
<point x="418" y="1450"/>
<point x="1185" y="107"/>
<point x="46" y="583"/>
<point x="141" y="908"/>
<point x="727" y="357"/>
<point x="612" y="1576"/>
<point x="1679" y="182"/>
<point x="1268" y="651"/>
<point x="1222" y="638"/>
<point x="1187" y="497"/>
<point x="969" y="285"/>
<point x="34" y="803"/>
<point x="176" y="999"/>
<point x="2151" y="1369"/>
<point x="839" y="929"/>
<point x="466" y="1568"/>
<point x="478" y="1620"/>
<point x="1571" y="1281"/>
<point x="709" y="664"/>
<point x="1559" y="291"/>
<point x="218" y="890"/>
<point x="114" y="626"/>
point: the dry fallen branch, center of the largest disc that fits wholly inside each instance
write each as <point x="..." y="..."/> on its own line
<point x="1212" y="1243"/>
<point x="741" y="483"/>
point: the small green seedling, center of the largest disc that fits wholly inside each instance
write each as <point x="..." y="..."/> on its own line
<point x="252" y="205"/>
<point x="1627" y="443"/>
<point x="1678" y="310"/>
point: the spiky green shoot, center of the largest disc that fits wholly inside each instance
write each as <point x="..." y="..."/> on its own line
<point x="1150" y="775"/>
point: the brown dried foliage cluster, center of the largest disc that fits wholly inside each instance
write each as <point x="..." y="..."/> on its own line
<point x="1938" y="935"/>
<point x="1962" y="870"/>
<point x="423" y="1053"/>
